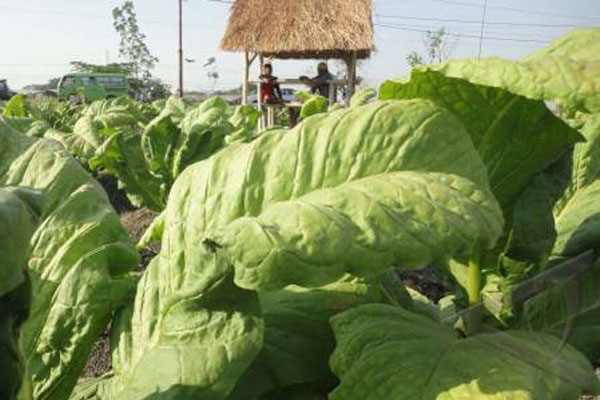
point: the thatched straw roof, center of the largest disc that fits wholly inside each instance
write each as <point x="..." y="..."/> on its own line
<point x="300" y="28"/>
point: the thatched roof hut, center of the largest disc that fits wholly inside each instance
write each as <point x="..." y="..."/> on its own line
<point x="300" y="28"/>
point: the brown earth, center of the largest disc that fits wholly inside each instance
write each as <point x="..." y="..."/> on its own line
<point x="135" y="221"/>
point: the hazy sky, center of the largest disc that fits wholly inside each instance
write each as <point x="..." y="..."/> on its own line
<point x="40" y="37"/>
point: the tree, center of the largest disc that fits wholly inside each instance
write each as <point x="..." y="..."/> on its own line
<point x="114" y="68"/>
<point x="132" y="46"/>
<point x="437" y="45"/>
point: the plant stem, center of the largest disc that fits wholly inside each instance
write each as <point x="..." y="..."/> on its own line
<point x="474" y="289"/>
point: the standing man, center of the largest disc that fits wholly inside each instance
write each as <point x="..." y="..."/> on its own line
<point x="320" y="83"/>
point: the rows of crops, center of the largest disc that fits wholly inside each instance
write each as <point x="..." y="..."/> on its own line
<point x="277" y="275"/>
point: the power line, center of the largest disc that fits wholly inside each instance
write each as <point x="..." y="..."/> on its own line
<point x="520" y="10"/>
<point x="94" y="16"/>
<point x="472" y="31"/>
<point x="390" y="26"/>
<point x="462" y="21"/>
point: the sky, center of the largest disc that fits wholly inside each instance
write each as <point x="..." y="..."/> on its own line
<point x="41" y="37"/>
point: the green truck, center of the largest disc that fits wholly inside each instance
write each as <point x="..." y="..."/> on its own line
<point x="76" y="87"/>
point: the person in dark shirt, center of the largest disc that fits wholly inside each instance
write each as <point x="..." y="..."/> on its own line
<point x="320" y="83"/>
<point x="270" y="92"/>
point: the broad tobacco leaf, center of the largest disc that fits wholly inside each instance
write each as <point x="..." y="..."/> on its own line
<point x="532" y="237"/>
<point x="190" y="315"/>
<point x="16" y="107"/>
<point x="160" y="136"/>
<point x="567" y="72"/>
<point x="569" y="309"/>
<point x="385" y="352"/>
<point x="363" y="97"/>
<point x="121" y="156"/>
<point x="80" y="264"/>
<point x="313" y="106"/>
<point x="19" y="211"/>
<point x="577" y="213"/>
<point x="177" y="137"/>
<point x="202" y="134"/>
<point x="298" y="339"/>
<point x="579" y="45"/>
<point x="369" y="190"/>
<point x="517" y="138"/>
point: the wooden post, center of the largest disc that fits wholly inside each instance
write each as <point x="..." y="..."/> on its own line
<point x="245" y="77"/>
<point x="351" y="83"/>
<point x="351" y="77"/>
<point x="261" y="119"/>
<point x="332" y="91"/>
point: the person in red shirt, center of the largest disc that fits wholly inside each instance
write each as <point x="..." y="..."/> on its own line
<point x="270" y="92"/>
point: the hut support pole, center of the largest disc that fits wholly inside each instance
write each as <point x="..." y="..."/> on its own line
<point x="246" y="78"/>
<point x="351" y="62"/>
<point x="262" y="122"/>
<point x="248" y="59"/>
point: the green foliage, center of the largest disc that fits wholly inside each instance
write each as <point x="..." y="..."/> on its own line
<point x="16" y="107"/>
<point x="437" y="46"/>
<point x="19" y="211"/>
<point x="114" y="68"/>
<point x="191" y="299"/>
<point x="80" y="261"/>
<point x="385" y="352"/>
<point x="363" y="97"/>
<point x="314" y="105"/>
<point x="133" y="46"/>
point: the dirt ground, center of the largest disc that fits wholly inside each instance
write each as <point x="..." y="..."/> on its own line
<point x="135" y="221"/>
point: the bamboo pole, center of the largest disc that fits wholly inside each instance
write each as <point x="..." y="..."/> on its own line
<point x="246" y="77"/>
<point x="351" y="77"/>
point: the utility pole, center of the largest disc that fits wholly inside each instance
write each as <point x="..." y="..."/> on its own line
<point x="180" y="48"/>
<point x="482" y="28"/>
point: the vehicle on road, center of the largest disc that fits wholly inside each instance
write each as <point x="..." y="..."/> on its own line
<point x="5" y="92"/>
<point x="287" y="93"/>
<point x="77" y="87"/>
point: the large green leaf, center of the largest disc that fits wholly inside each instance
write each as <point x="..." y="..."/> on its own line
<point x="312" y="106"/>
<point x="410" y="219"/>
<point x="298" y="338"/>
<point x="16" y="107"/>
<point x="19" y="210"/>
<point x="363" y="97"/>
<point x="80" y="261"/>
<point x="570" y="308"/>
<point x="203" y="133"/>
<point x="580" y="45"/>
<point x="532" y="237"/>
<point x="190" y="334"/>
<point x="82" y="144"/>
<point x="160" y="136"/>
<point x="121" y="156"/>
<point x="364" y="178"/>
<point x="516" y="137"/>
<point x="567" y="71"/>
<point x="385" y="352"/>
<point x="578" y="223"/>
<point x="578" y="211"/>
